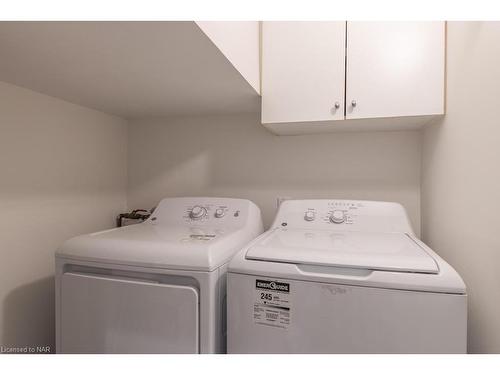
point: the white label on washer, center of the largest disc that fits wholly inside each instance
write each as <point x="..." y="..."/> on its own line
<point x="272" y="306"/>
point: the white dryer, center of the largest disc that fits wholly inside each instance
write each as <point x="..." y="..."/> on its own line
<point x="337" y="276"/>
<point x="154" y="287"/>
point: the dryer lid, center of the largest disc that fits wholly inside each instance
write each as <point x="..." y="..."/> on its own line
<point x="376" y="251"/>
<point x="158" y="246"/>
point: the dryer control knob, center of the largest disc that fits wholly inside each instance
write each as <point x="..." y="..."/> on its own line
<point x="220" y="212"/>
<point x="197" y="212"/>
<point x="337" y="217"/>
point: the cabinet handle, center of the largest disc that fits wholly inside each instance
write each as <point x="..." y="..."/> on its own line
<point x="337" y="105"/>
<point x="353" y="103"/>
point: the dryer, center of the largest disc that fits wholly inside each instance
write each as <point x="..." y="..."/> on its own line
<point x="154" y="287"/>
<point x="341" y="276"/>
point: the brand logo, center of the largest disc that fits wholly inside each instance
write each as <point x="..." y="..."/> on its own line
<point x="272" y="285"/>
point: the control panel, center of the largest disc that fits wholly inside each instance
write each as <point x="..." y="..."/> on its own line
<point x="204" y="211"/>
<point x="342" y="215"/>
<point x="335" y="212"/>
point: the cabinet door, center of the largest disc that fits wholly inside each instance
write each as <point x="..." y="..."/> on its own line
<point x="303" y="71"/>
<point x="395" y="69"/>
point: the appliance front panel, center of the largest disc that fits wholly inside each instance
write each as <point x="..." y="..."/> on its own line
<point x="268" y="315"/>
<point x="107" y="314"/>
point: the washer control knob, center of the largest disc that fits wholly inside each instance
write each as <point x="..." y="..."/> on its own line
<point x="337" y="217"/>
<point x="220" y="212"/>
<point x="309" y="216"/>
<point x="197" y="212"/>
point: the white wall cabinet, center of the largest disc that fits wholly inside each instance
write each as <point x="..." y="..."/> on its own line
<point x="390" y="75"/>
<point x="395" y="69"/>
<point x="303" y="71"/>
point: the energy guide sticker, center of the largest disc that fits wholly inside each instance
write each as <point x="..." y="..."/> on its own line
<point x="272" y="306"/>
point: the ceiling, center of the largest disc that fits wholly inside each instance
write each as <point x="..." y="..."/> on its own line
<point x="129" y="69"/>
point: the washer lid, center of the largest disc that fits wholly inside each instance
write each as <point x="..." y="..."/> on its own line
<point x="376" y="251"/>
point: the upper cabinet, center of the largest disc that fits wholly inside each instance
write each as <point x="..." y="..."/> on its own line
<point x="303" y="71"/>
<point x="395" y="69"/>
<point x="321" y="76"/>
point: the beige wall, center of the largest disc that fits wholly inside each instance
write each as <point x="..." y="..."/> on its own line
<point x="62" y="173"/>
<point x="461" y="176"/>
<point x="235" y="156"/>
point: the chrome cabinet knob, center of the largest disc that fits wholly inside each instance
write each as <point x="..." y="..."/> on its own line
<point x="337" y="105"/>
<point x="353" y="103"/>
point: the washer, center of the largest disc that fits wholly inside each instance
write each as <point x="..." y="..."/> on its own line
<point x="154" y="287"/>
<point x="338" y="276"/>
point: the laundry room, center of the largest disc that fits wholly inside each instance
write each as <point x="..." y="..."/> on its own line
<point x="243" y="186"/>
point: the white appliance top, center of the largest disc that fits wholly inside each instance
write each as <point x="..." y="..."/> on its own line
<point x="347" y="242"/>
<point x="182" y="233"/>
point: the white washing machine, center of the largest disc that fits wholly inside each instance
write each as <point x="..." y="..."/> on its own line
<point x="337" y="276"/>
<point x="154" y="287"/>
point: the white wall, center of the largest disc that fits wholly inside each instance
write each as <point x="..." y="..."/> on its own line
<point x="461" y="175"/>
<point x="62" y="173"/>
<point x="235" y="156"/>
